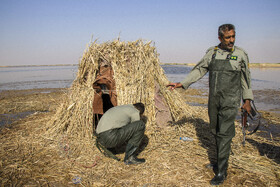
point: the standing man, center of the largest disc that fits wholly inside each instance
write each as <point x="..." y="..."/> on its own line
<point x="229" y="80"/>
<point x="122" y="124"/>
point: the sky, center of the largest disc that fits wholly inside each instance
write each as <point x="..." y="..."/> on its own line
<point x="47" y="32"/>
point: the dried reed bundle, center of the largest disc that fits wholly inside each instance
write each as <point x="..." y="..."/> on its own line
<point x="136" y="71"/>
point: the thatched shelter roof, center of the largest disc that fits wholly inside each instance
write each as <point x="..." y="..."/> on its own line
<point x="138" y="77"/>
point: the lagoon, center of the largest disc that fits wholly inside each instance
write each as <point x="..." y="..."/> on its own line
<point x="18" y="78"/>
<point x="29" y="77"/>
<point x="265" y="81"/>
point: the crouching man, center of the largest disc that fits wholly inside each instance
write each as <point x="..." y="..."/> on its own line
<point x="123" y="124"/>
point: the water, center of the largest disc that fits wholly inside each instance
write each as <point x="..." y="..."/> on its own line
<point x="19" y="78"/>
<point x="178" y="73"/>
<point x="265" y="78"/>
<point x="9" y="118"/>
<point x="265" y="82"/>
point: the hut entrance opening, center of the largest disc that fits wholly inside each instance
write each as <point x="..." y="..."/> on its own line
<point x="105" y="96"/>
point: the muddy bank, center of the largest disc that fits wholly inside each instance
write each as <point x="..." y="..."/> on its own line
<point x="261" y="97"/>
<point x="18" y="104"/>
<point x="270" y="121"/>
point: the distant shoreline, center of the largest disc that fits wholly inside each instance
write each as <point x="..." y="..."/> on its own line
<point x="252" y="65"/>
<point x="17" y="66"/>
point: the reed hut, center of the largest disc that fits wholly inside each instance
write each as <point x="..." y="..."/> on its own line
<point x="116" y="73"/>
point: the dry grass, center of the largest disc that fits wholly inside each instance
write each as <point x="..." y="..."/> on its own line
<point x="30" y="158"/>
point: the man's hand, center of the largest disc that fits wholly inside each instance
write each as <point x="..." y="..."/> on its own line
<point x="172" y="86"/>
<point x="246" y="106"/>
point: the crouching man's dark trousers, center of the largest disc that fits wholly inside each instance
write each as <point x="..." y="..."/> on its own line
<point x="132" y="133"/>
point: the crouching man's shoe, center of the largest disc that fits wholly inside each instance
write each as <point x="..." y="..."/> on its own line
<point x="218" y="179"/>
<point x="134" y="160"/>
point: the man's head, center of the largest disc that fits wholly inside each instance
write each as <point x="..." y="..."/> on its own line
<point x="140" y="107"/>
<point x="226" y="34"/>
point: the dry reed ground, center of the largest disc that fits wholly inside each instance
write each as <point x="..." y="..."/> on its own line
<point x="29" y="158"/>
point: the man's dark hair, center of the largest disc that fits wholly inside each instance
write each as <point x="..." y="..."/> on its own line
<point x="140" y="107"/>
<point x="225" y="27"/>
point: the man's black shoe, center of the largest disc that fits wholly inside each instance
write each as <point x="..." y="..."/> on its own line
<point x="134" y="160"/>
<point x="218" y="179"/>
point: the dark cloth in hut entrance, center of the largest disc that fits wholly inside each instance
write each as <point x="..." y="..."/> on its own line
<point x="105" y="90"/>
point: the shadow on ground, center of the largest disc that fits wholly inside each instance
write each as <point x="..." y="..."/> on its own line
<point x="204" y="135"/>
<point x="270" y="151"/>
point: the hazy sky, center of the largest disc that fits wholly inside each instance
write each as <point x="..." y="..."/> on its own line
<point x="41" y="32"/>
